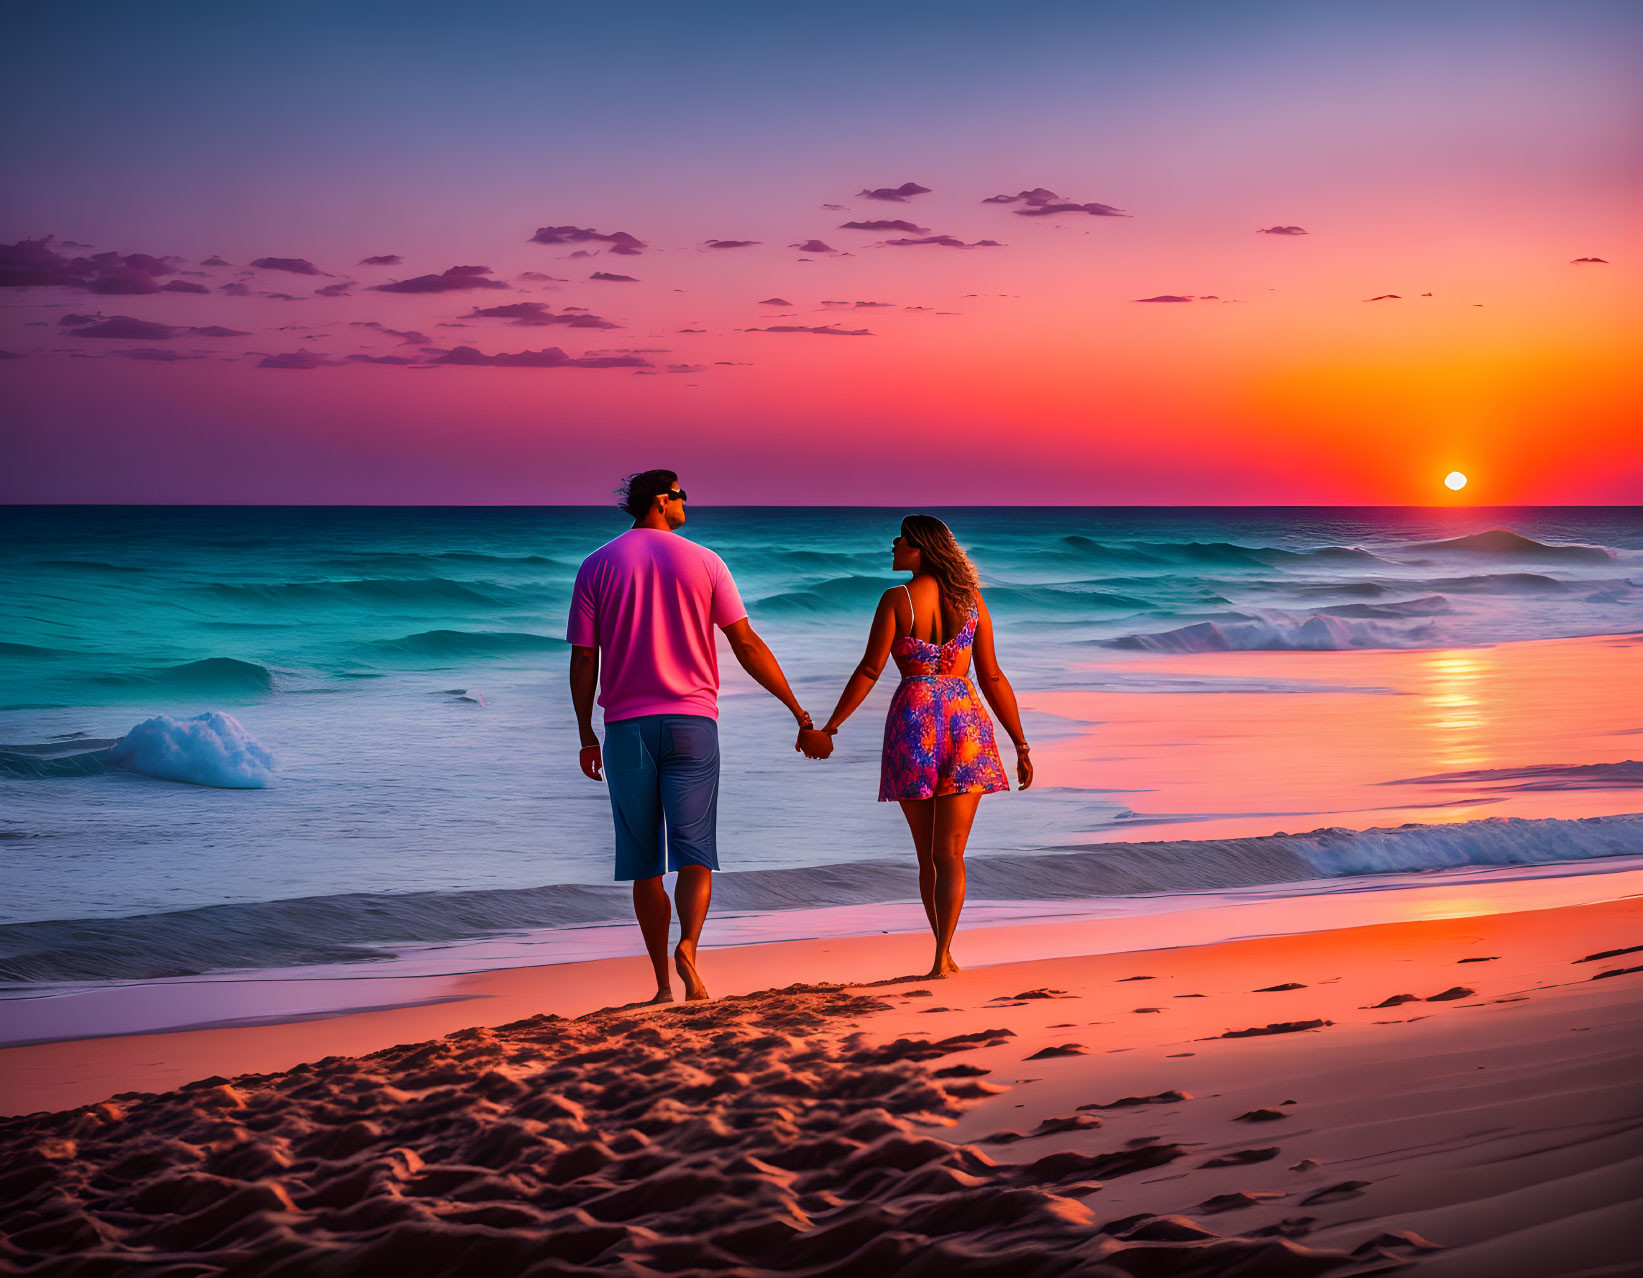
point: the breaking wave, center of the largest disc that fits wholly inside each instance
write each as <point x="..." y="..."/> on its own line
<point x="211" y="749"/>
<point x="307" y="930"/>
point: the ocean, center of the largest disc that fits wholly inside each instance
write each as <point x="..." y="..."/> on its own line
<point x="260" y="737"/>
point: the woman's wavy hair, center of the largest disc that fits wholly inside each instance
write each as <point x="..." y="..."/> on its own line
<point x="943" y="558"/>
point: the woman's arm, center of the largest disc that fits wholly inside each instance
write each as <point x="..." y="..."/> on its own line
<point x="862" y="679"/>
<point x="996" y="688"/>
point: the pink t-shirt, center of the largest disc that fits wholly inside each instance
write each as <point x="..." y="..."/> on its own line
<point x="649" y="601"/>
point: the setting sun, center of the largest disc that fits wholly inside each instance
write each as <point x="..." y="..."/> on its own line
<point x="1454" y="479"/>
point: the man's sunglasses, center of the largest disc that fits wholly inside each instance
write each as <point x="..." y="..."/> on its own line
<point x="674" y="492"/>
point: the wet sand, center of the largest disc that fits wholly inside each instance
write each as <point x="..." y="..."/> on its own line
<point x="1461" y="1092"/>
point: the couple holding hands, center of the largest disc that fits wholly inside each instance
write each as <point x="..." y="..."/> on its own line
<point x="641" y="632"/>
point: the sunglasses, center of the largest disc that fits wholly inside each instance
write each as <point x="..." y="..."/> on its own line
<point x="671" y="493"/>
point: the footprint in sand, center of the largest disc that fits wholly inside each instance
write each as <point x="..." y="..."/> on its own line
<point x="1064" y="1049"/>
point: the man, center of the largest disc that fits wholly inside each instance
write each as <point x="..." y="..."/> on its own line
<point x="645" y="606"/>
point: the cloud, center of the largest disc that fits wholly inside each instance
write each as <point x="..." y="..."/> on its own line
<point x="35" y="264"/>
<point x="610" y="278"/>
<point x="214" y="260"/>
<point x="895" y="195"/>
<point x="1281" y="230"/>
<point x="409" y="336"/>
<point x="234" y="288"/>
<point x="1043" y="202"/>
<point x="885" y="224"/>
<point x="552" y="357"/>
<point x="124" y="328"/>
<point x="775" y="301"/>
<point x="537" y="275"/>
<point x="821" y="330"/>
<point x="383" y="359"/>
<point x="620" y="241"/>
<point x="183" y="286"/>
<point x="1599" y="260"/>
<point x="944" y="241"/>
<point x="724" y="244"/>
<point x="1038" y="195"/>
<point x="861" y="305"/>
<point x="339" y="289"/>
<point x="457" y="279"/>
<point x="1166" y="297"/>
<point x="11" y="355"/>
<point x="538" y="314"/>
<point x="834" y="208"/>
<point x="814" y="246"/>
<point x="297" y="359"/>
<point x="123" y="281"/>
<point x="690" y="330"/>
<point x="383" y="259"/>
<point x="295" y="265"/>
<point x="1384" y="297"/>
<point x="217" y="330"/>
<point x="157" y="354"/>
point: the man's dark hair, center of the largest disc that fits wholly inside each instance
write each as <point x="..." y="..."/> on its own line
<point x="639" y="490"/>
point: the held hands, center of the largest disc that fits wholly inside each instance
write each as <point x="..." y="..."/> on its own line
<point x="813" y="743"/>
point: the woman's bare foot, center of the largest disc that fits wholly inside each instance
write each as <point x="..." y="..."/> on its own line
<point x="943" y="966"/>
<point x="661" y="996"/>
<point x="684" y="959"/>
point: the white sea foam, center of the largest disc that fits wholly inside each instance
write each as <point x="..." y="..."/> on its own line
<point x="209" y="749"/>
<point x="1273" y="630"/>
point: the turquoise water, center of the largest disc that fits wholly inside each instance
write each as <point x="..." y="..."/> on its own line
<point x="386" y="687"/>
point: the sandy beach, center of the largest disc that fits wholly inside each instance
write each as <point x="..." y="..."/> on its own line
<point x="1459" y="1092"/>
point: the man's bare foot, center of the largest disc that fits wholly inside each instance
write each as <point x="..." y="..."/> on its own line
<point x="947" y="964"/>
<point x="661" y="996"/>
<point x="684" y="959"/>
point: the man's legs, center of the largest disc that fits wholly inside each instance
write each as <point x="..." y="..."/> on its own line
<point x="632" y="775"/>
<point x="655" y="915"/>
<point x="689" y="767"/>
<point x="694" y="891"/>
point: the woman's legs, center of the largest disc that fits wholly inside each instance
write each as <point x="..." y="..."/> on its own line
<point x="954" y="814"/>
<point x="921" y="815"/>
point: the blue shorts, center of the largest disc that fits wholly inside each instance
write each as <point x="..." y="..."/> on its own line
<point x="663" y="769"/>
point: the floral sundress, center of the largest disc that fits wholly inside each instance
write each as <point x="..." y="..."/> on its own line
<point x="938" y="738"/>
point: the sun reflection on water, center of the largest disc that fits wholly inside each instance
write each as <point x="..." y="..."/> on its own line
<point x="1456" y="711"/>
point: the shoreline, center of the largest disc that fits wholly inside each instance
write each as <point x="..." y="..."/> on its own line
<point x="1462" y="1092"/>
<point x="431" y="932"/>
<point x="287" y="1020"/>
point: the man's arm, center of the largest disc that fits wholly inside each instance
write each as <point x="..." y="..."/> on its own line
<point x="757" y="659"/>
<point x="584" y="682"/>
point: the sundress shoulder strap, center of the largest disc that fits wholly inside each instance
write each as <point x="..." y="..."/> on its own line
<point x="909" y="594"/>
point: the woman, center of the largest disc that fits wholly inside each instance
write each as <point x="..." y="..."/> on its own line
<point x="939" y="755"/>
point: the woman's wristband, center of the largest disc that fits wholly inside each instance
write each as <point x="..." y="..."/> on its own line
<point x="1021" y="747"/>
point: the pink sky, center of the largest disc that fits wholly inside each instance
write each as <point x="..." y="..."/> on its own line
<point x="1418" y="156"/>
